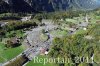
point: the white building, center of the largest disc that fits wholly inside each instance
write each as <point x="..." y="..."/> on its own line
<point x="46" y="52"/>
<point x="26" y="18"/>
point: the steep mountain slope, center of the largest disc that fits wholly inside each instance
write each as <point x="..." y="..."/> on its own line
<point x="3" y="6"/>
<point x="87" y="4"/>
<point x="48" y="5"/>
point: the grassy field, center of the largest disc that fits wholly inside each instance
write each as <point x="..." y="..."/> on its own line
<point x="59" y="33"/>
<point x="31" y="63"/>
<point x="81" y="31"/>
<point x="71" y="20"/>
<point x="9" y="53"/>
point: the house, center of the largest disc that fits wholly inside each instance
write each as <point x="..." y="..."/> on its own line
<point x="13" y="42"/>
<point x="46" y="52"/>
<point x="61" y="20"/>
<point x="42" y="51"/>
<point x="84" y="28"/>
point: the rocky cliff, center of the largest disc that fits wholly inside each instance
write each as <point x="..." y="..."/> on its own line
<point x="46" y="5"/>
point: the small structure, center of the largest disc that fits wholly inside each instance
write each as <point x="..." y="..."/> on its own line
<point x="43" y="51"/>
<point x="46" y="52"/>
<point x="84" y="28"/>
<point x="61" y="20"/>
<point x="13" y="42"/>
<point x="27" y="18"/>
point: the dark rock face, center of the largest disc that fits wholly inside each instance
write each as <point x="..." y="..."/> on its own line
<point x="4" y="7"/>
<point x="37" y="5"/>
<point x="40" y="5"/>
<point x="20" y="6"/>
<point x="45" y="5"/>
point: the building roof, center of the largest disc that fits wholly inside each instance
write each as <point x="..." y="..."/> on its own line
<point x="14" y="40"/>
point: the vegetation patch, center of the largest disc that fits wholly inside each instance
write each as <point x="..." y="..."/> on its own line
<point x="9" y="53"/>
